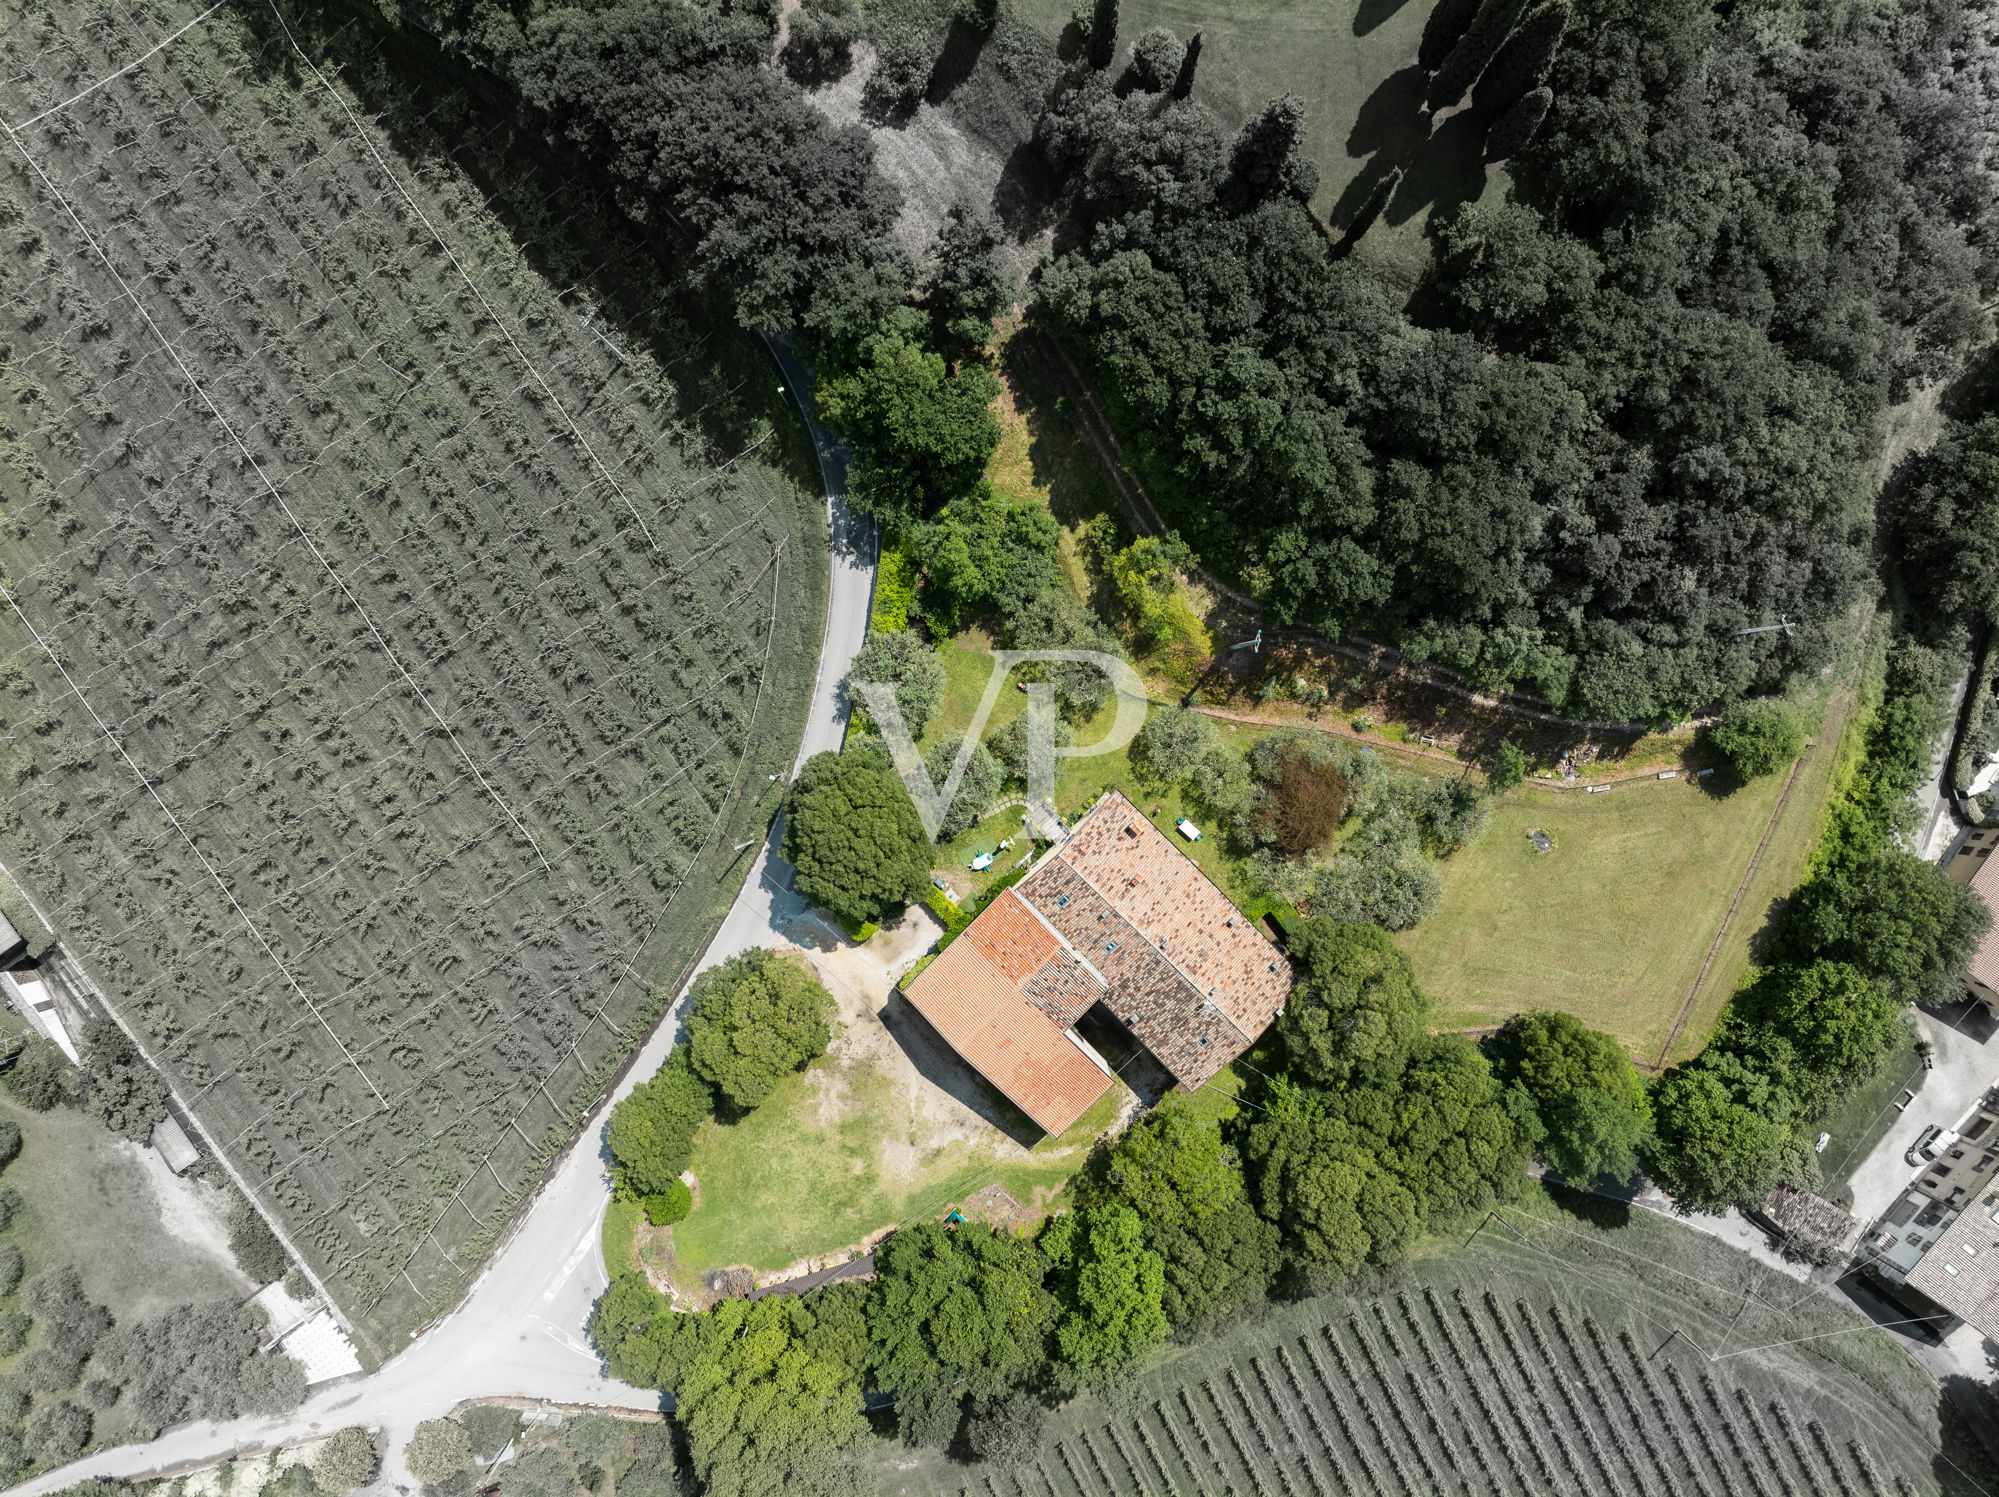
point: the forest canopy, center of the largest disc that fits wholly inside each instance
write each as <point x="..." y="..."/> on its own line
<point x="1630" y="411"/>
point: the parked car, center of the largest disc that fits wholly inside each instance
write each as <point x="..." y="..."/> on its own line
<point x="1931" y="1142"/>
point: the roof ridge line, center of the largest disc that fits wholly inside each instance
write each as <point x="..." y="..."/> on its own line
<point x="1179" y="971"/>
<point x="1067" y="945"/>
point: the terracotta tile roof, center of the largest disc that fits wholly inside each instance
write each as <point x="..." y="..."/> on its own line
<point x="1985" y="883"/>
<point x="1190" y="1036"/>
<point x="1164" y="894"/>
<point x="1961" y="1271"/>
<point x="1012" y="939"/>
<point x="969" y="1000"/>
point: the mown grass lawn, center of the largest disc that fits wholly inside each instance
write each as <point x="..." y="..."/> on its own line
<point x="1611" y="926"/>
<point x="86" y="1201"/>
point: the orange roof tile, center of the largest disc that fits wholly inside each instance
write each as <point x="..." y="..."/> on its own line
<point x="1012" y="938"/>
<point x="969" y="1000"/>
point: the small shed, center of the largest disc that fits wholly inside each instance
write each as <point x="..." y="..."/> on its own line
<point x="1809" y="1226"/>
<point x="174" y="1146"/>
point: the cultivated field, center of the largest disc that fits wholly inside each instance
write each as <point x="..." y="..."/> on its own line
<point x="1551" y="1356"/>
<point x="404" y="609"/>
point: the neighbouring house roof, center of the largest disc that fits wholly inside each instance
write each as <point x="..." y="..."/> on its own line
<point x="1985" y="965"/>
<point x="1961" y="1271"/>
<point x="1114" y="914"/>
<point x="172" y="1142"/>
<point x="1805" y="1217"/>
<point x="972" y="1001"/>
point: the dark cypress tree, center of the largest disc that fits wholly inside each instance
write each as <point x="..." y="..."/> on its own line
<point x="1510" y="136"/>
<point x="1184" y="84"/>
<point x="1474" y="50"/>
<point x="1443" y="31"/>
<point x="1266" y="160"/>
<point x="1373" y="208"/>
<point x="1523" y="60"/>
<point x="1103" y="34"/>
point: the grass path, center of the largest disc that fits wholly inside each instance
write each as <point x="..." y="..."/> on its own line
<point x="1728" y="919"/>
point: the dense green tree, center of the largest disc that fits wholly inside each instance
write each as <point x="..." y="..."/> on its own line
<point x="1451" y="814"/>
<point x="41" y="1078"/>
<point x="1323" y="1180"/>
<point x="1056" y="619"/>
<point x="1482" y="39"/>
<point x="1110" y="1287"/>
<point x="1895" y="917"/>
<point x="1007" y="1431"/>
<point x="14" y="1457"/>
<point x="119" y="1089"/>
<point x="922" y="431"/>
<point x="10" y="1141"/>
<point x="1183" y="82"/>
<point x="852" y="833"/>
<point x="1353" y="1177"/>
<point x="1817" y="1031"/>
<point x="1523" y="59"/>
<point x="255" y="1247"/>
<point x="197" y="1362"/>
<point x="790" y="221"/>
<point x="668" y="1206"/>
<point x="771" y="1405"/>
<point x="1156" y="59"/>
<point x="1721" y="1130"/>
<point x="984" y="549"/>
<point x="1356" y="1011"/>
<point x="1591" y="1110"/>
<point x="1514" y="130"/>
<point x="1759" y="736"/>
<point x="345" y="1460"/>
<point x="1442" y="30"/>
<point x="14" y="1327"/>
<point x="979" y="788"/>
<point x="902" y="658"/>
<point x="1175" y="741"/>
<point x="57" y="1432"/>
<point x="1943" y="517"/>
<point x="1268" y="156"/>
<point x="905" y="57"/>
<point x="651" y="1132"/>
<point x="1009" y="746"/>
<point x="971" y="283"/>
<point x="1186" y="1185"/>
<point x="439" y="1449"/>
<point x="12" y="1267"/>
<point x="955" y="1314"/>
<point x="1508" y="277"/>
<point x="1505" y="768"/>
<point x="1101" y="41"/>
<point x="754" y="1020"/>
<point x="70" y="1324"/>
<point x="819" y="44"/>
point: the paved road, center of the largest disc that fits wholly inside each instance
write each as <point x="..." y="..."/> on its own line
<point x="520" y="1330"/>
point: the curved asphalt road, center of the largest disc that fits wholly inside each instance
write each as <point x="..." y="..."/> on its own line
<point x="519" y="1332"/>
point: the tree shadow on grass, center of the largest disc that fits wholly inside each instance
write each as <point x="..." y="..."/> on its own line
<point x="1373" y="13"/>
<point x="1443" y="164"/>
<point x="960" y="55"/>
<point x="1603" y="1212"/>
